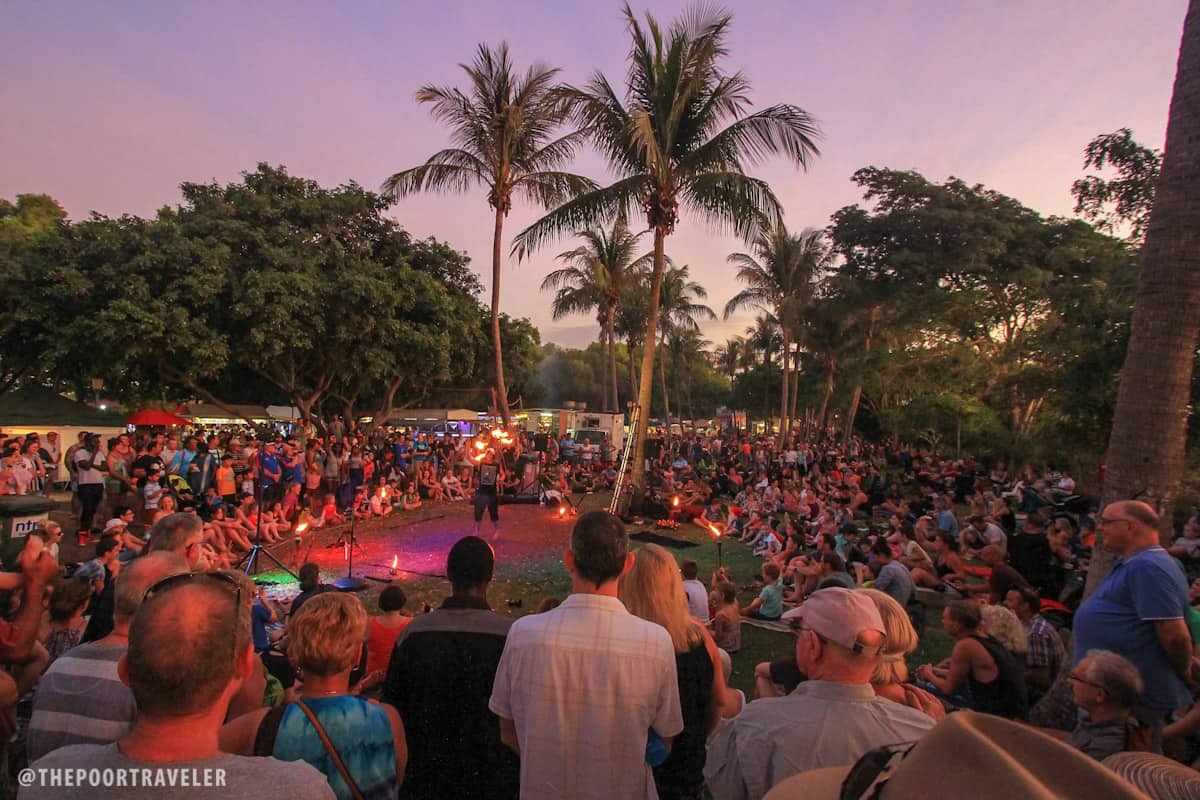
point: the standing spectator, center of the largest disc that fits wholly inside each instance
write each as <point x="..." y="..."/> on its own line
<point x="357" y="743"/>
<point x="52" y="456"/>
<point x="697" y="594"/>
<point x="1046" y="653"/>
<point x="189" y="655"/>
<point x="90" y="671"/>
<point x="440" y="677"/>
<point x="579" y="688"/>
<point x="831" y="719"/>
<point x="1140" y="612"/>
<point x="650" y="589"/>
<point x="89" y="471"/>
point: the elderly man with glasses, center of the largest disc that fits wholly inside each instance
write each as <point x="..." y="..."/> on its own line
<point x="1139" y="612"/>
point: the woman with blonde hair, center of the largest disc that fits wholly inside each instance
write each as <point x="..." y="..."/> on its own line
<point x="653" y="590"/>
<point x="357" y="743"/>
<point x="890" y="679"/>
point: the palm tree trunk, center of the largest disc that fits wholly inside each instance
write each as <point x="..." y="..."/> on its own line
<point x="633" y="384"/>
<point x="662" y="373"/>
<point x="610" y="322"/>
<point x="638" y="478"/>
<point x="829" y="370"/>
<point x="501" y="389"/>
<point x="784" y="405"/>
<point x="1146" y="448"/>
<point x="603" y="369"/>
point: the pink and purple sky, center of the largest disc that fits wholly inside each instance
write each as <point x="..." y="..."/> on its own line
<point x="109" y="106"/>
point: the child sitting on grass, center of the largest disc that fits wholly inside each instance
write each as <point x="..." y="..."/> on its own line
<point x="769" y="603"/>
<point x="726" y="623"/>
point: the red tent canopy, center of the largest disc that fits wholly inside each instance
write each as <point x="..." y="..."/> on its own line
<point x="155" y="416"/>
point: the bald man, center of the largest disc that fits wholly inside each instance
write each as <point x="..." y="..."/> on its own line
<point x="1139" y="611"/>
<point x="189" y="652"/>
<point x="81" y="699"/>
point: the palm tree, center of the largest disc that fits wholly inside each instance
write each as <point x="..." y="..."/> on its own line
<point x="632" y="312"/>
<point x="597" y="273"/>
<point x="681" y="138"/>
<point x="1149" y="435"/>
<point x="730" y="356"/>
<point x="679" y="312"/>
<point x="502" y="132"/>
<point x="763" y="336"/>
<point x="779" y="277"/>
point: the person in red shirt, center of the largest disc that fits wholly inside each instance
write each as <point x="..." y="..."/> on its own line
<point x="382" y="633"/>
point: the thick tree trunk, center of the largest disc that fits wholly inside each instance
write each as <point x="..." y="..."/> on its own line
<point x="638" y="476"/>
<point x="610" y="322"/>
<point x="501" y="389"/>
<point x="1146" y="448"/>
<point x="633" y="384"/>
<point x="829" y="372"/>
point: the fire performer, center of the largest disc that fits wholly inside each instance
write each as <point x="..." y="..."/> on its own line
<point x="487" y="489"/>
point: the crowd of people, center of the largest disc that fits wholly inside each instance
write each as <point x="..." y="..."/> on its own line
<point x="622" y="688"/>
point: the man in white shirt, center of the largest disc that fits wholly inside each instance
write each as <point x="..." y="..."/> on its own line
<point x="579" y="688"/>
<point x="697" y="592"/>
<point x="831" y="719"/>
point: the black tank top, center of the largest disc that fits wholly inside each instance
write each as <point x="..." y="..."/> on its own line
<point x="1005" y="696"/>
<point x="682" y="774"/>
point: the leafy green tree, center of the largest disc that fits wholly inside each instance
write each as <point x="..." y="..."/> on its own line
<point x="681" y="138"/>
<point x="1122" y="202"/>
<point x="502" y="131"/>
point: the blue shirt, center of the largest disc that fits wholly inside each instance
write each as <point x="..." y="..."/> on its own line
<point x="1147" y="587"/>
<point x="946" y="521"/>
<point x="268" y="464"/>
<point x="259" y="617"/>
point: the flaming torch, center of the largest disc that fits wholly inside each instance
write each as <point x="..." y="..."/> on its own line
<point x="716" y="531"/>
<point x="562" y="512"/>
<point x="395" y="565"/>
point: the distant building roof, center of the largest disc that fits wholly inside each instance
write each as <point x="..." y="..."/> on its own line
<point x="38" y="405"/>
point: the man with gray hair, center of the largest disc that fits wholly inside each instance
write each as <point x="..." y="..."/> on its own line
<point x="80" y="699"/>
<point x="181" y="533"/>
<point x="832" y="719"/>
<point x="1106" y="687"/>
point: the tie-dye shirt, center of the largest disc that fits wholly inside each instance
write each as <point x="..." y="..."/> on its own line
<point x="361" y="733"/>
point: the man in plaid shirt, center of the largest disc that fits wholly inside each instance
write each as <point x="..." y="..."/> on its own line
<point x="1046" y="653"/>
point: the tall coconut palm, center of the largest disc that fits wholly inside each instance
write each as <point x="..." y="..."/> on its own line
<point x="632" y="312"/>
<point x="681" y="139"/>
<point x="730" y="356"/>
<point x="597" y="272"/>
<point x="763" y="337"/>
<point x="503" y="134"/>
<point x="1149" y="435"/>
<point x="679" y="311"/>
<point x="779" y="277"/>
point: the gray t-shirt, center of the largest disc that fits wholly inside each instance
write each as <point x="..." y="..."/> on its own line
<point x="97" y="772"/>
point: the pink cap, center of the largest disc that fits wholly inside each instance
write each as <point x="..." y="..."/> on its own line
<point x="840" y="615"/>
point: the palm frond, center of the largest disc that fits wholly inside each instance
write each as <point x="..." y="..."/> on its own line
<point x="451" y="170"/>
<point x="588" y="209"/>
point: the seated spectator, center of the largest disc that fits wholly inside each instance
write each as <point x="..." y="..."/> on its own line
<point x="832" y="719"/>
<point x="189" y="653"/>
<point x="310" y="586"/>
<point x="1030" y="554"/>
<point x="769" y="603"/>
<point x="1003" y="578"/>
<point x="382" y="632"/>
<point x="1003" y="626"/>
<point x="697" y="595"/>
<point x="980" y="674"/>
<point x="947" y="572"/>
<point x="411" y="500"/>
<point x="440" y="678"/>
<point x="1106" y="687"/>
<point x="357" y="743"/>
<point x="726" y="623"/>
<point x="1046" y="653"/>
<point x="979" y="533"/>
<point x="90" y="671"/>
<point x="890" y="678"/>
<point x="68" y="601"/>
<point x="891" y="577"/>
<point x="651" y="589"/>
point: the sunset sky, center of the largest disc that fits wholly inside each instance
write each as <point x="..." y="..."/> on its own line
<point x="109" y="106"/>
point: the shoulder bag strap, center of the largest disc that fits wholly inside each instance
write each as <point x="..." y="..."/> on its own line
<point x="329" y="748"/>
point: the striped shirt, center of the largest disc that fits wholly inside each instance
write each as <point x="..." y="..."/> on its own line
<point x="80" y="700"/>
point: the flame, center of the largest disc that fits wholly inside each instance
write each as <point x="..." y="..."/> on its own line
<point x="480" y="444"/>
<point x="301" y="528"/>
<point x="715" y="530"/>
<point x="675" y="501"/>
<point x="395" y="562"/>
<point x="562" y="512"/>
<point x="478" y="459"/>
